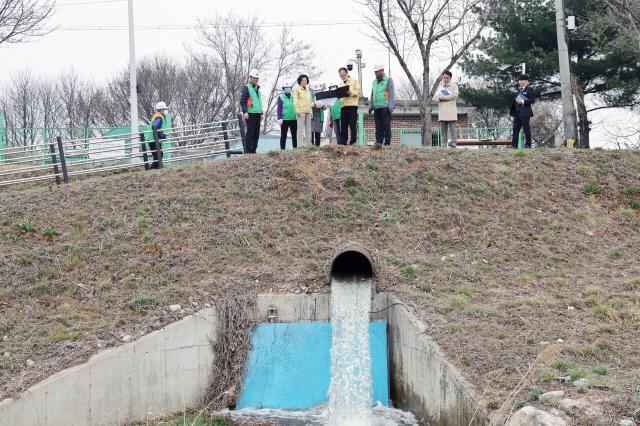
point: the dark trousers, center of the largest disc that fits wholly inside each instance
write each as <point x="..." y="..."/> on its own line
<point x="521" y="123"/>
<point x="253" y="133"/>
<point x="349" y="119"/>
<point x="315" y="138"/>
<point x="286" y="125"/>
<point x="154" y="153"/>
<point x="382" y="117"/>
<point x="337" y="129"/>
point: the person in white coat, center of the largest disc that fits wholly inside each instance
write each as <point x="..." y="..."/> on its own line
<point x="448" y="110"/>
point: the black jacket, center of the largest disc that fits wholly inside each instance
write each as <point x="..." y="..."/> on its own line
<point x="523" y="110"/>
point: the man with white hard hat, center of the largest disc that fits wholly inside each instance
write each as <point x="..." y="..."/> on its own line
<point x="251" y="105"/>
<point x="383" y="101"/>
<point x="158" y="123"/>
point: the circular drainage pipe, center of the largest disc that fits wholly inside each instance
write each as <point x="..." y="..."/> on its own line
<point x="353" y="260"/>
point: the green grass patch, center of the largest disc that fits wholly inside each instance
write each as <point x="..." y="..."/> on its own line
<point x="410" y="272"/>
<point x="597" y="292"/>
<point x="39" y="290"/>
<point x="26" y="226"/>
<point x="373" y="166"/>
<point x="561" y="365"/>
<point x="614" y="255"/>
<point x="63" y="336"/>
<point x="427" y="288"/>
<point x="300" y="202"/>
<point x="361" y="197"/>
<point x="49" y="231"/>
<point x="534" y="395"/>
<point x="579" y="373"/>
<point x="143" y="223"/>
<point x="545" y="376"/>
<point x="632" y="285"/>
<point x="465" y="290"/>
<point x="141" y="303"/>
<point x="197" y="200"/>
<point x="601" y="370"/>
<point x="592" y="187"/>
<point x="456" y="302"/>
<point x="631" y="190"/>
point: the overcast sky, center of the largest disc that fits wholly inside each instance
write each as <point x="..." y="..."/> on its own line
<point x="99" y="53"/>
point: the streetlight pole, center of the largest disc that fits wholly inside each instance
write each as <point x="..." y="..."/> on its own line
<point x="568" y="111"/>
<point x="133" y="84"/>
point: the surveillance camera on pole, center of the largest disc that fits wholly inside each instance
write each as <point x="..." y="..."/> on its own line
<point x="360" y="64"/>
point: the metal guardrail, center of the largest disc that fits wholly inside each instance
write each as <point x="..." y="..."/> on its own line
<point x="61" y="160"/>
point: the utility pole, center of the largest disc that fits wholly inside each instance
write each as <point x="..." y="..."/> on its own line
<point x="568" y="111"/>
<point x="133" y="84"/>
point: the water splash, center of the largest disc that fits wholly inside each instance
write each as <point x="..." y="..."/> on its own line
<point x="381" y="416"/>
<point x="350" y="388"/>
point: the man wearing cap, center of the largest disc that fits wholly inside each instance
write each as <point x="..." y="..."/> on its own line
<point x="158" y="123"/>
<point x="286" y="113"/>
<point x="383" y="101"/>
<point x="349" y="112"/>
<point x="251" y="105"/>
<point x="521" y="111"/>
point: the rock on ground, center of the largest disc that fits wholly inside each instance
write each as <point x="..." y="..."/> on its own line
<point x="552" y="396"/>
<point x="531" y="416"/>
<point x="587" y="407"/>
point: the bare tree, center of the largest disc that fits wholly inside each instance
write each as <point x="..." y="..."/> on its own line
<point x="24" y="20"/>
<point x="446" y="28"/>
<point x="294" y="57"/>
<point x="201" y="96"/>
<point x="21" y="108"/>
<point x="238" y="45"/>
<point x="625" y="16"/>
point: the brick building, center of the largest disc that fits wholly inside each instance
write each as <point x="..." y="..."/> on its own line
<point x="405" y="122"/>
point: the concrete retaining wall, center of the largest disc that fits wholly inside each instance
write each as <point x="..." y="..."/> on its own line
<point x="422" y="380"/>
<point x="169" y="370"/>
<point x="163" y="372"/>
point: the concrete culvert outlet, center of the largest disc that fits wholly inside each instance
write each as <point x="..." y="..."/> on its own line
<point x="352" y="261"/>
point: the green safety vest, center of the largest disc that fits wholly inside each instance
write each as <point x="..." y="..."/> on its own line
<point x="254" y="103"/>
<point x="336" y="110"/>
<point x="288" y="109"/>
<point x="381" y="92"/>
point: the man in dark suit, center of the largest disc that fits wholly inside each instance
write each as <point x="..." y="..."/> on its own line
<point x="521" y="111"/>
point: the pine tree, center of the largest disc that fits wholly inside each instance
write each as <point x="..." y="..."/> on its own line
<point x="526" y="32"/>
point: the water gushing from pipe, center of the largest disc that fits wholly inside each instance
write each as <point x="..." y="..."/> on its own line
<point x="350" y="389"/>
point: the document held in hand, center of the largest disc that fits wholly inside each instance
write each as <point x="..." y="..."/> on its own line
<point x="521" y="97"/>
<point x="444" y="92"/>
<point x="340" y="92"/>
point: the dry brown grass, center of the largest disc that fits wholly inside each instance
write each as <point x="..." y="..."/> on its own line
<point x="490" y="248"/>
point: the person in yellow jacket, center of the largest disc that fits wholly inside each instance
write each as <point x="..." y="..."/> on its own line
<point x="349" y="112"/>
<point x="302" y="101"/>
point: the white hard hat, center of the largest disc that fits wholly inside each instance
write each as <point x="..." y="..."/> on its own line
<point x="378" y="67"/>
<point x="254" y="73"/>
<point x="161" y="105"/>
